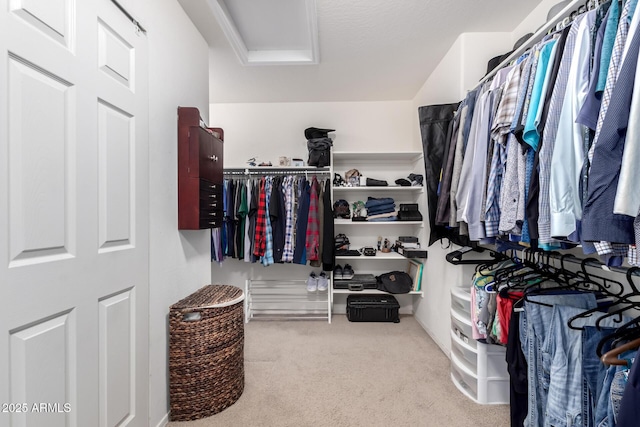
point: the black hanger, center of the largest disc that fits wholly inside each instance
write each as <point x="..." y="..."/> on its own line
<point x="628" y="331"/>
<point x="588" y="280"/>
<point x="626" y="299"/>
<point x="603" y="284"/>
<point x="457" y="257"/>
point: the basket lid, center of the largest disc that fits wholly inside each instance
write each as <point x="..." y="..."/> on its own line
<point x="211" y="296"/>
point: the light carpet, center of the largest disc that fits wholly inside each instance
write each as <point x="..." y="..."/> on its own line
<point x="311" y="373"/>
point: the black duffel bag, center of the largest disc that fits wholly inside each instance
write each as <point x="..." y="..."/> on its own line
<point x="319" y="152"/>
<point x="395" y="282"/>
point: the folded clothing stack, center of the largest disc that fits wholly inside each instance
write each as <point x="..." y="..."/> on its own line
<point x="381" y="209"/>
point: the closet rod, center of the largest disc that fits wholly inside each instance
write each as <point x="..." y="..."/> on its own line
<point x="535" y="38"/>
<point x="278" y="171"/>
<point x="589" y="262"/>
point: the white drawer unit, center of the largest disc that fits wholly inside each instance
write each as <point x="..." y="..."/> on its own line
<point x="461" y="327"/>
<point x="461" y="299"/>
<point x="478" y="370"/>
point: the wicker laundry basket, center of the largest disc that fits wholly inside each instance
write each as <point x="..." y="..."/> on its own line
<point x="206" y="352"/>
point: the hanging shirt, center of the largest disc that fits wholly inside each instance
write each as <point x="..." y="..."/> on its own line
<point x="588" y="115"/>
<point x="511" y="184"/>
<point x="300" y="252"/>
<point x="568" y="153"/>
<point x="247" y="232"/>
<point x="599" y="222"/>
<point x="531" y="135"/>
<point x="549" y="137"/>
<point x="277" y="214"/>
<point x="614" y="68"/>
<point x="627" y="201"/>
<point x="328" y="249"/>
<point x="313" y="224"/>
<point x="287" y="254"/>
<point x="465" y="124"/>
<point x="261" y="221"/>
<point x="443" y="209"/>
<point x="267" y="258"/>
<point x="464" y="185"/>
<point x="607" y="46"/>
<point x="243" y="210"/>
<point x="500" y="129"/>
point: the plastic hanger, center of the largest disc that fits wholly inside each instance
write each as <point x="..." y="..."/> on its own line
<point x="605" y="288"/>
<point x="625" y="299"/>
<point x="604" y="284"/>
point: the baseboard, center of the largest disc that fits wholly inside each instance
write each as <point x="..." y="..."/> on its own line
<point x="164" y="421"/>
<point x="431" y="335"/>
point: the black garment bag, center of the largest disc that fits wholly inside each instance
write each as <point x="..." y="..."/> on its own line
<point x="436" y="135"/>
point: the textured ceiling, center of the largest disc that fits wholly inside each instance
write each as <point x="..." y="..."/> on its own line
<point x="370" y="50"/>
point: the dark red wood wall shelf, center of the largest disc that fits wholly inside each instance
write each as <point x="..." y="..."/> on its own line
<point x="200" y="170"/>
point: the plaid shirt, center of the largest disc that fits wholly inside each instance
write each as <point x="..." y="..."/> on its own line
<point x="313" y="225"/>
<point x="507" y="107"/>
<point x="267" y="258"/>
<point x="261" y="221"/>
<point x="287" y="189"/>
<point x="492" y="215"/>
<point x="500" y="129"/>
<point x="513" y="178"/>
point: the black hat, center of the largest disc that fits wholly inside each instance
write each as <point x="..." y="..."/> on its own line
<point x="313" y="133"/>
<point x="494" y="62"/>
<point x="403" y="182"/>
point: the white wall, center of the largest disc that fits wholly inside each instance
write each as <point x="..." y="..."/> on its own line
<point x="459" y="71"/>
<point x="536" y="18"/>
<point x="269" y="130"/>
<point x="179" y="260"/>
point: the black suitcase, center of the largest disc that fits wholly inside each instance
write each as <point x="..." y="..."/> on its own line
<point x="358" y="283"/>
<point x="373" y="308"/>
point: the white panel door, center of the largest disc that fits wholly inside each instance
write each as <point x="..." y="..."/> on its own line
<point x="74" y="215"/>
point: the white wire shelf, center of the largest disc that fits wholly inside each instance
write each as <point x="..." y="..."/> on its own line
<point x="374" y="291"/>
<point x="379" y="156"/>
<point x="393" y="188"/>
<point x="379" y="255"/>
<point x="339" y="221"/>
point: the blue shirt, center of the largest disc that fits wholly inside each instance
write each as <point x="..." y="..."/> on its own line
<point x="599" y="222"/>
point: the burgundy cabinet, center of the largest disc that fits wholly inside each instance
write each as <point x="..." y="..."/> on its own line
<point x="200" y="166"/>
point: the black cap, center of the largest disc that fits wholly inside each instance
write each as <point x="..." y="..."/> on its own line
<point x="313" y="133"/>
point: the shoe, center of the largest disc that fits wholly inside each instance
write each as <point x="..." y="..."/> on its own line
<point x="337" y="272"/>
<point x="323" y="282"/>
<point x="347" y="272"/>
<point x="312" y="282"/>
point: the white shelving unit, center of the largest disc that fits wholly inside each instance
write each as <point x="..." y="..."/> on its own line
<point x="387" y="166"/>
<point x="478" y="370"/>
<point x="348" y="222"/>
<point x="287" y="297"/>
<point x="365" y="189"/>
